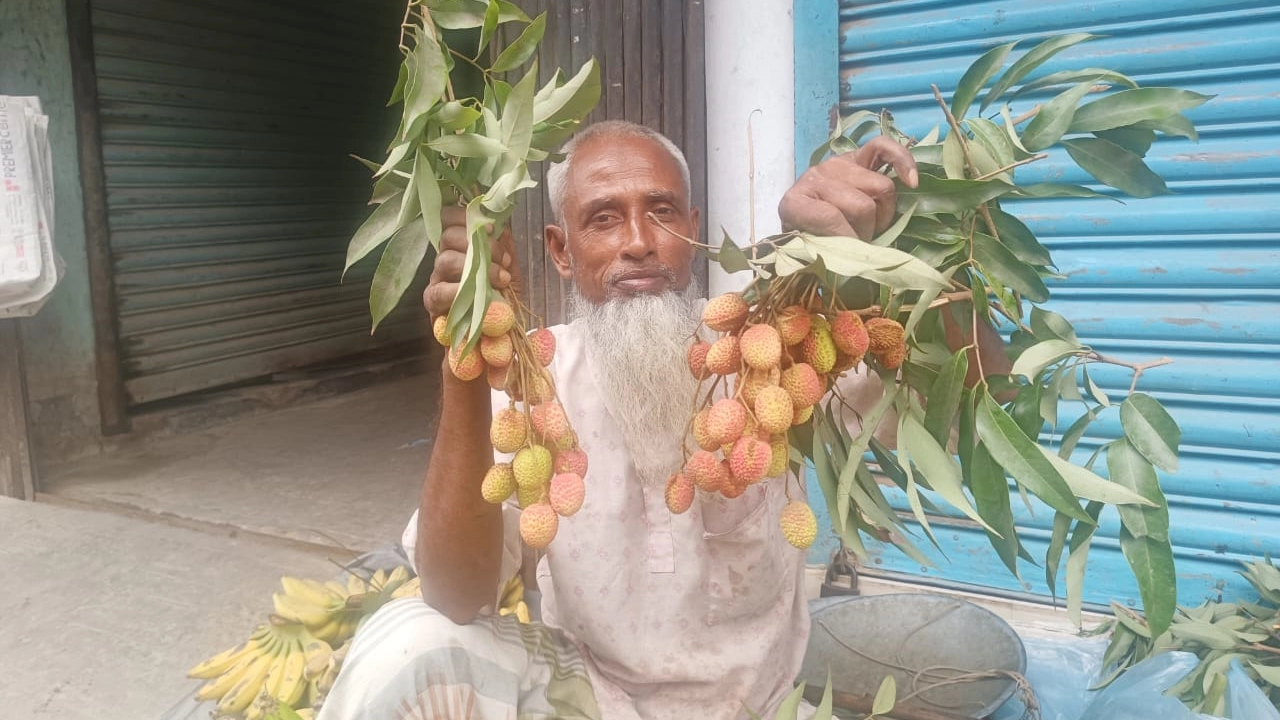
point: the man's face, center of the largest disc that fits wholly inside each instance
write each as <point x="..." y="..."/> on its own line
<point x="609" y="246"/>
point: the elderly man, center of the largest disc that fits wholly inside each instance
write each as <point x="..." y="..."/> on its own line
<point x="644" y="614"/>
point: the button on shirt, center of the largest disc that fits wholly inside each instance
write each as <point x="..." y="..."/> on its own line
<point x="697" y="615"/>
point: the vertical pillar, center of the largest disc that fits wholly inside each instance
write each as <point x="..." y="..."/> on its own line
<point x="17" y="473"/>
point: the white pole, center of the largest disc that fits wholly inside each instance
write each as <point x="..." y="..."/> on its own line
<point x="750" y="78"/>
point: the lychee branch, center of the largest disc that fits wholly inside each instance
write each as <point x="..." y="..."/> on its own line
<point x="1137" y="368"/>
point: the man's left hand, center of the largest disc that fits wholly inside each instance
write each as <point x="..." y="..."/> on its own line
<point x="847" y="195"/>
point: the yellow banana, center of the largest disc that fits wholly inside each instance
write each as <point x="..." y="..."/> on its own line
<point x="398" y="577"/>
<point x="522" y="612"/>
<point x="317" y="654"/>
<point x="294" y="683"/>
<point x="355" y="584"/>
<point x="513" y="591"/>
<point x="309" y="592"/>
<point x="220" y="663"/>
<point x="247" y="689"/>
<point x="221" y="685"/>
<point x="275" y="674"/>
<point x="411" y="588"/>
<point x="291" y="608"/>
<point x="337" y="588"/>
<point x="330" y="631"/>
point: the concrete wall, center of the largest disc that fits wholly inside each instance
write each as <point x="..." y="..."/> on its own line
<point x="61" y="379"/>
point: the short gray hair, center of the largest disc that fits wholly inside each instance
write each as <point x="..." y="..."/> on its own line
<point x="558" y="173"/>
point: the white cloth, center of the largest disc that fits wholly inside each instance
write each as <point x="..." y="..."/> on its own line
<point x="701" y="614"/>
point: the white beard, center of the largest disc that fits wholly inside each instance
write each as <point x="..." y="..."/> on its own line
<point x="639" y="348"/>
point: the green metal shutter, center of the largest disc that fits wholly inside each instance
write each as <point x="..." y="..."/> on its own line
<point x="1194" y="275"/>
<point x="226" y="131"/>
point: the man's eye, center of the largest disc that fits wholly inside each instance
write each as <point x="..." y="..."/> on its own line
<point x="664" y="211"/>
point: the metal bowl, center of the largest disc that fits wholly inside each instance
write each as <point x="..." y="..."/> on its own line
<point x="862" y="639"/>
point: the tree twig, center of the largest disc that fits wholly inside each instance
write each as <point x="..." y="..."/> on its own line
<point x="1012" y="165"/>
<point x="1137" y="368"/>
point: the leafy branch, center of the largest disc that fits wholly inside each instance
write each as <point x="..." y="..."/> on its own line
<point x="957" y="255"/>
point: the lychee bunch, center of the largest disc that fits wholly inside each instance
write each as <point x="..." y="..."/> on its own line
<point x="776" y="354"/>
<point x="547" y="467"/>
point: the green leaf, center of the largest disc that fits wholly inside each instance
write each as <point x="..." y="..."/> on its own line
<point x="426" y="81"/>
<point x="1268" y="673"/>
<point x="454" y="115"/>
<point x="991" y="496"/>
<point x="886" y="696"/>
<point x="1054" y="117"/>
<point x="1052" y="190"/>
<point x="852" y="258"/>
<point x="1088" y="485"/>
<point x="517" y="116"/>
<point x="977" y="76"/>
<point x="1072" y="436"/>
<point x="938" y="466"/>
<point x="953" y="161"/>
<point x="375" y="230"/>
<point x="1078" y="553"/>
<point x="1019" y="239"/>
<point x="931" y="230"/>
<point x="1022" y="458"/>
<point x="1113" y="165"/>
<point x="523" y="47"/>
<point x="731" y="257"/>
<point x="790" y="706"/>
<point x="1128" y="468"/>
<point x="572" y="100"/>
<point x="402" y="78"/>
<point x="1036" y="358"/>
<point x="1098" y="75"/>
<point x="944" y="396"/>
<point x="826" y="476"/>
<point x="1152" y="430"/>
<point x="927" y="155"/>
<point x="429" y="199"/>
<point x="465" y="14"/>
<point x="824" y="707"/>
<point x="1000" y="264"/>
<point x="1132" y="106"/>
<point x="397" y="268"/>
<point x="1025" y="410"/>
<point x="1136" y="140"/>
<point x="1034" y="58"/>
<point x="891" y="233"/>
<point x="1095" y="392"/>
<point x="467" y="145"/>
<point x="993" y="138"/>
<point x="1053" y="555"/>
<point x="936" y="196"/>
<point x="1152" y="564"/>
<point x="1176" y="125"/>
<point x="1048" y="325"/>
<point x="487" y="28"/>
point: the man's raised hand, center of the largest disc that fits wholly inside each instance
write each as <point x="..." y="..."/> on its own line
<point x="846" y="195"/>
<point x="446" y="274"/>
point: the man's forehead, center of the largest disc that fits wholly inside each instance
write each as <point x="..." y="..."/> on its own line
<point x="637" y="164"/>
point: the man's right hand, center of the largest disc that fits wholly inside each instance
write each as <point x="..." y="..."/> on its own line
<point x="446" y="275"/>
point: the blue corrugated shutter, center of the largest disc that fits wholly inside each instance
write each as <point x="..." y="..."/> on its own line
<point x="1194" y="275"/>
<point x="226" y="130"/>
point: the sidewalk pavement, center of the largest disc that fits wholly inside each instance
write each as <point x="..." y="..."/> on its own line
<point x="102" y="614"/>
<point x="139" y="563"/>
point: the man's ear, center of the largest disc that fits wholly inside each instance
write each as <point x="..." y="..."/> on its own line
<point x="695" y="216"/>
<point x="558" y="248"/>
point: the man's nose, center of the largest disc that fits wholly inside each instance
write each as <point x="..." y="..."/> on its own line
<point x="641" y="237"/>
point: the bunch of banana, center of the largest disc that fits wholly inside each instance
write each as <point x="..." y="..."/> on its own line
<point x="512" y="602"/>
<point x="269" y="666"/>
<point x="333" y="610"/>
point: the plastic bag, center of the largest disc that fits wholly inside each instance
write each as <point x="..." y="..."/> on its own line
<point x="1245" y="700"/>
<point x="1061" y="671"/>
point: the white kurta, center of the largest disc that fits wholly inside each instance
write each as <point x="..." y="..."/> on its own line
<point x="676" y="616"/>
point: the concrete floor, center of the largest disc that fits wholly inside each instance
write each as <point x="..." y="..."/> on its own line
<point x="136" y="564"/>
<point x="342" y="472"/>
